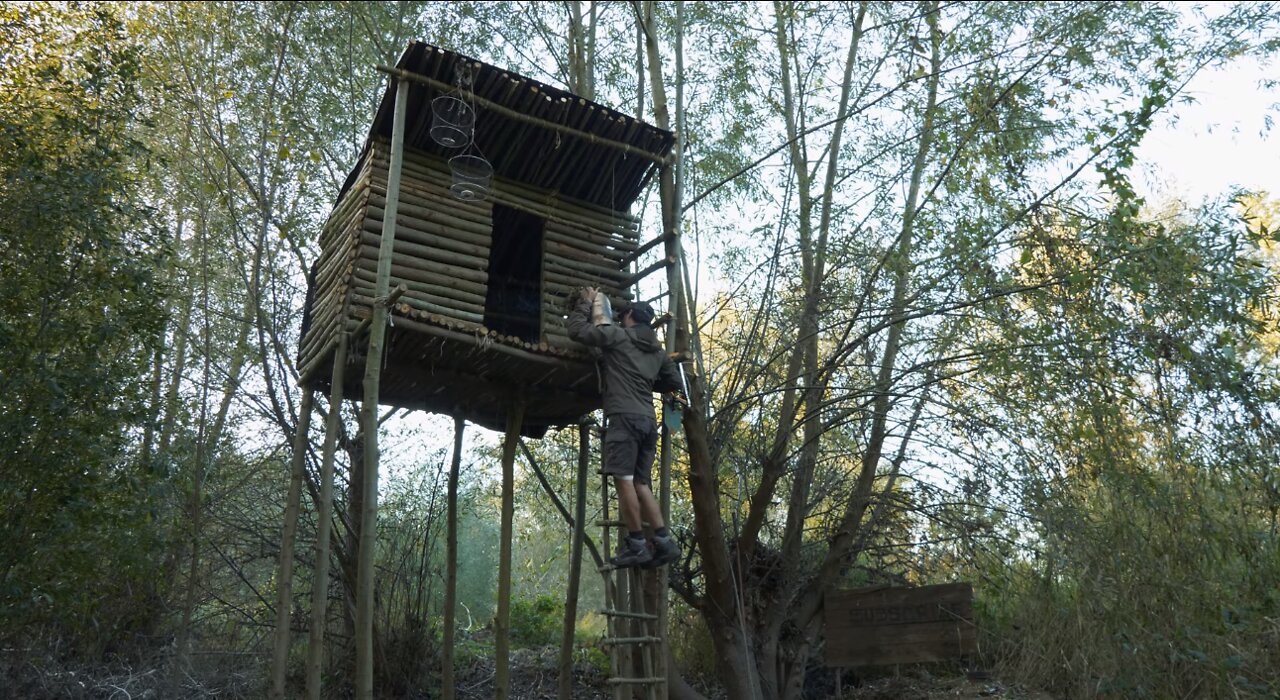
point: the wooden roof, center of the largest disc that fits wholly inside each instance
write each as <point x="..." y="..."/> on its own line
<point x="536" y="155"/>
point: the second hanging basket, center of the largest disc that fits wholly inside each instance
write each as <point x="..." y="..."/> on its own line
<point x="472" y="177"/>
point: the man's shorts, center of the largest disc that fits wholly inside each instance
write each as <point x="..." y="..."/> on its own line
<point x="630" y="443"/>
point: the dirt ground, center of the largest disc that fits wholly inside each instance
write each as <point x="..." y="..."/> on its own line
<point x="922" y="686"/>
<point x="534" y="677"/>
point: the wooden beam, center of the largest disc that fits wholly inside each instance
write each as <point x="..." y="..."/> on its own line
<point x="527" y="119"/>
<point x="660" y="265"/>
<point x="575" y="564"/>
<point x="386" y="303"/>
<point x="502" y="622"/>
<point x="284" y="601"/>
<point x="642" y="250"/>
<point x="451" y="563"/>
<point x="324" y="518"/>
<point x="369" y="411"/>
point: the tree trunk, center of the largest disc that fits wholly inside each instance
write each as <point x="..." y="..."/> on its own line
<point x="451" y="563"/>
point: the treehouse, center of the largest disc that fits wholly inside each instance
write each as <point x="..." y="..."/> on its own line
<point x="511" y="195"/>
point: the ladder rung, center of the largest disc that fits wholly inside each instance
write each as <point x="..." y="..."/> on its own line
<point x="630" y="640"/>
<point x="619" y="523"/>
<point x="623" y="613"/>
<point x="635" y="681"/>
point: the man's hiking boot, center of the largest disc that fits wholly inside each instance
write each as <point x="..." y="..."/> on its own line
<point x="632" y="553"/>
<point x="665" y="551"/>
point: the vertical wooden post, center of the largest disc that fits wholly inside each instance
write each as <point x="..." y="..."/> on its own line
<point x="670" y="197"/>
<point x="575" y="562"/>
<point x="284" y="584"/>
<point x="502" y="624"/>
<point x="324" y="518"/>
<point x="672" y="206"/>
<point x="614" y="587"/>
<point x="451" y="563"/>
<point x="369" y="407"/>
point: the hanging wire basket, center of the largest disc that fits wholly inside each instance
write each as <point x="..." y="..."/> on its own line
<point x="452" y="121"/>
<point x="472" y="176"/>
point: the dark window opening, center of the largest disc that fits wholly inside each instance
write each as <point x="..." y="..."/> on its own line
<point x="513" y="305"/>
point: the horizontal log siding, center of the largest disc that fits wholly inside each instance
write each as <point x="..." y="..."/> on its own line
<point x="442" y="251"/>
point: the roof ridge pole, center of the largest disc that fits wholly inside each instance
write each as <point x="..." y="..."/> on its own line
<point x="369" y="406"/>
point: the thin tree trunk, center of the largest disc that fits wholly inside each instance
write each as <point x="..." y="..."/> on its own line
<point x="324" y="517"/>
<point x="451" y="563"/>
<point x="502" y="621"/>
<point x="284" y="582"/>
<point x="733" y="659"/>
<point x="575" y="564"/>
<point x="369" y="410"/>
<point x="837" y="555"/>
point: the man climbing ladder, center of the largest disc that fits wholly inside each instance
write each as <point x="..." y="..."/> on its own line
<point x="634" y="366"/>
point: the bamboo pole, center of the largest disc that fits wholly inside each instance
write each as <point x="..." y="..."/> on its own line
<point x="581" y="239"/>
<point x="576" y="278"/>
<point x="439" y="274"/>
<point x="440" y="261"/>
<point x="284" y="599"/>
<point x="369" y="411"/>
<point x="575" y="563"/>
<point x="346" y="209"/>
<point x="433" y="232"/>
<point x="667" y="263"/>
<point x="461" y="218"/>
<point x="437" y="309"/>
<point x="310" y="362"/>
<point x="430" y="188"/>
<point x="385" y="302"/>
<point x="568" y="251"/>
<point x="458" y="269"/>
<point x="451" y="562"/>
<point x="324" y="517"/>
<point x="671" y="195"/>
<point x="431" y="191"/>
<point x="502" y="624"/>
<point x="564" y="361"/>
<point x="562" y="285"/>
<point x="410" y="250"/>
<point x="318" y="341"/>
<point x="568" y="208"/>
<point x="417" y="288"/>
<point x="643" y="249"/>
<point x="599" y="271"/>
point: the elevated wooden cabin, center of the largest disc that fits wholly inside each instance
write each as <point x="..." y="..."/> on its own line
<point x="488" y="282"/>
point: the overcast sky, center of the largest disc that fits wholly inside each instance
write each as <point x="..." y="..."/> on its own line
<point x="1220" y="142"/>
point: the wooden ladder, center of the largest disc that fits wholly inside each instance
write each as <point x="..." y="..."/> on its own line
<point x="632" y="636"/>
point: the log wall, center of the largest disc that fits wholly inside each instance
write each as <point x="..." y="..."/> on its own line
<point x="442" y="252"/>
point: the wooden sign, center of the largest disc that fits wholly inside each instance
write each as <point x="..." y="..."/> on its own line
<point x="883" y="626"/>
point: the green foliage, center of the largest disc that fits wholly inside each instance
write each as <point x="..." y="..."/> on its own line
<point x="690" y="640"/>
<point x="1146" y="547"/>
<point x="80" y="311"/>
<point x="538" y="621"/>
